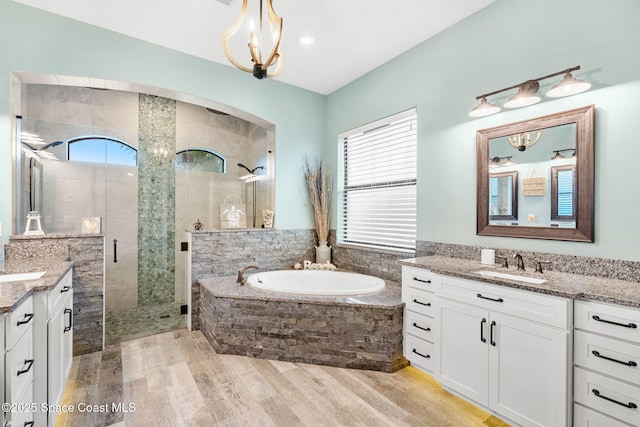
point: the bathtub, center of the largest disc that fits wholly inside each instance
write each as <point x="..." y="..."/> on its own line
<point x="316" y="282"/>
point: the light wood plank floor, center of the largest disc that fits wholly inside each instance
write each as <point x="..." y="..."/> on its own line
<point x="177" y="379"/>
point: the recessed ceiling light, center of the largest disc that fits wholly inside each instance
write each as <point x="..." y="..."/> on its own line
<point x="306" y="40"/>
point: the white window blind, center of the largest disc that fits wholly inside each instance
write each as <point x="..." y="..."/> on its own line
<point x="377" y="184"/>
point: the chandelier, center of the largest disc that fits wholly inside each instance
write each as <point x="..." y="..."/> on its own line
<point x="260" y="68"/>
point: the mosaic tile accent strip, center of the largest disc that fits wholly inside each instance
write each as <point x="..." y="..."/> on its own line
<point x="156" y="200"/>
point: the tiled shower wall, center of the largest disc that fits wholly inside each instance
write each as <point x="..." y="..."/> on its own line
<point x="156" y="200"/>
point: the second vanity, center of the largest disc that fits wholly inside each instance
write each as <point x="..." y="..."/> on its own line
<point x="36" y="332"/>
<point x="548" y="349"/>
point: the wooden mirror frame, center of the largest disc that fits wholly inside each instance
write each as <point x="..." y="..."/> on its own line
<point x="514" y="196"/>
<point x="584" y="119"/>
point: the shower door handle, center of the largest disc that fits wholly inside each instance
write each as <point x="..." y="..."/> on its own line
<point x="115" y="250"/>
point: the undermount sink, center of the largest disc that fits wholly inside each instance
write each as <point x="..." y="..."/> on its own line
<point x="21" y="276"/>
<point x="511" y="276"/>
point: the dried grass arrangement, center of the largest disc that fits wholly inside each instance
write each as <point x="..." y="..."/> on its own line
<point x="319" y="187"/>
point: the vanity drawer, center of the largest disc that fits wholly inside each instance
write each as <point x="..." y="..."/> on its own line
<point x="24" y="410"/>
<point x="528" y="305"/>
<point x="18" y="322"/>
<point x="585" y="417"/>
<point x="619" y="359"/>
<point x="419" y="352"/>
<point x="419" y="325"/>
<point x="419" y="301"/>
<point x="418" y="278"/>
<point x="613" y="320"/>
<point x="58" y="293"/>
<point x="19" y="368"/>
<point x="604" y="394"/>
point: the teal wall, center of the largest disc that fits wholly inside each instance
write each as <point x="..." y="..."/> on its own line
<point x="37" y="41"/>
<point x="504" y="44"/>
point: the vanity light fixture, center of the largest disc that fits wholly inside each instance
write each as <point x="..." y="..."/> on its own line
<point x="494" y="162"/>
<point x="528" y="93"/>
<point x="558" y="156"/>
<point x="256" y="38"/>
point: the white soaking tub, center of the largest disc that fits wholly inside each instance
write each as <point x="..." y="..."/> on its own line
<point x="316" y="282"/>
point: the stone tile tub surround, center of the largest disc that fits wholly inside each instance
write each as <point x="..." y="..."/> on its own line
<point x="217" y="253"/>
<point x="87" y="255"/>
<point x="558" y="284"/>
<point x="361" y="332"/>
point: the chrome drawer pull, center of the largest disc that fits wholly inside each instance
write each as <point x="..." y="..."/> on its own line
<point x="426" y="356"/>
<point x="428" y="304"/>
<point x="24" y="371"/>
<point x="629" y="405"/>
<point x="27" y="319"/>
<point x="629" y="363"/>
<point x="628" y="325"/>
<point x="65" y="289"/>
<point x="421" y="280"/>
<point x="490" y="299"/>
<point x="420" y="327"/>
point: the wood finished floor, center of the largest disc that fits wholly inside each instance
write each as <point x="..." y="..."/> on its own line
<point x="177" y="379"/>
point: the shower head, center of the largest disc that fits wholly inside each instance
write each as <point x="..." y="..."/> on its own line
<point x="250" y="170"/>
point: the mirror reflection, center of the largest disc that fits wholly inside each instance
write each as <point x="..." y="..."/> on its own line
<point x="535" y="177"/>
<point x="531" y="156"/>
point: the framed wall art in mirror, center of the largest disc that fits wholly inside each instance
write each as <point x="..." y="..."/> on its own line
<point x="559" y="149"/>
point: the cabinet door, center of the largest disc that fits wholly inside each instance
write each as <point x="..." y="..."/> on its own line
<point x="67" y="340"/>
<point x="529" y="371"/>
<point x="464" y="350"/>
<point x="56" y="355"/>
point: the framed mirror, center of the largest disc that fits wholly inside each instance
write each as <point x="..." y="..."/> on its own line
<point x="552" y="189"/>
<point x="503" y="197"/>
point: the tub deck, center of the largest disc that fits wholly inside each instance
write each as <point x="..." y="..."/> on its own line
<point x="354" y="331"/>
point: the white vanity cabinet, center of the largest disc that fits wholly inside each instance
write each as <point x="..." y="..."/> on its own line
<point x="19" y="363"/>
<point x="419" y="325"/>
<point x="506" y="349"/>
<point x="607" y="365"/>
<point x="53" y="335"/>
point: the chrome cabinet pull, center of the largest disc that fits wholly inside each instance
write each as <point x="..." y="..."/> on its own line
<point x="28" y="362"/>
<point x="628" y="325"/>
<point x="27" y="319"/>
<point x="426" y="356"/>
<point x="596" y="353"/>
<point x="420" y="327"/>
<point x="629" y="405"/>
<point x="421" y="280"/>
<point x="428" y="304"/>
<point x="490" y="299"/>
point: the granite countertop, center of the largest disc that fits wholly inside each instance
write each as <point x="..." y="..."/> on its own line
<point x="564" y="285"/>
<point x="13" y="293"/>
<point x="226" y="287"/>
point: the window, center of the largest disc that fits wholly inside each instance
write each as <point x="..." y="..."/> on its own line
<point x="102" y="149"/>
<point x="377" y="184"/>
<point x="563" y="193"/>
<point x="200" y="160"/>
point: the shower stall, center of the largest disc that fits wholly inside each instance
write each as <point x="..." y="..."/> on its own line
<point x="141" y="169"/>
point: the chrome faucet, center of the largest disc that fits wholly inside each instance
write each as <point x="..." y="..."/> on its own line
<point x="241" y="280"/>
<point x="519" y="260"/>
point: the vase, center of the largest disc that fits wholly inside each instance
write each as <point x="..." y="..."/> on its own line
<point x="323" y="253"/>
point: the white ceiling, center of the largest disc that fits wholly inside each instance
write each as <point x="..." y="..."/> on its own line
<point x="352" y="37"/>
